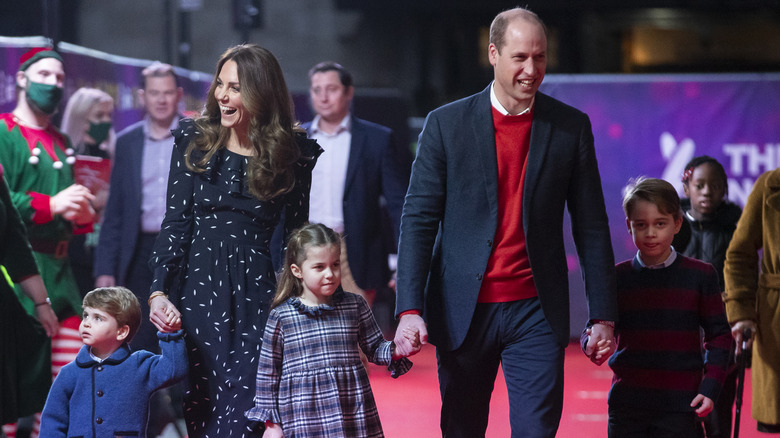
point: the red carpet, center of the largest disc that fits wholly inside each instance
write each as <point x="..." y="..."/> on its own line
<point x="409" y="406"/>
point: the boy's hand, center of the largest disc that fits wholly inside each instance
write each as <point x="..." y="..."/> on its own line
<point x="705" y="405"/>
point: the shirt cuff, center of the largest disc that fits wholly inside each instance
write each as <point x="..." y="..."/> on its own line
<point x="409" y="312"/>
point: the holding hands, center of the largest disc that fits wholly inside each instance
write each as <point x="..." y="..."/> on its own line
<point x="163" y="314"/>
<point x="601" y="343"/>
<point x="410" y="335"/>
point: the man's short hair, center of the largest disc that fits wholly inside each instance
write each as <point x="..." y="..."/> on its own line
<point x="655" y="191"/>
<point x="158" y="70"/>
<point x="501" y="23"/>
<point x="118" y="302"/>
<point x="344" y="75"/>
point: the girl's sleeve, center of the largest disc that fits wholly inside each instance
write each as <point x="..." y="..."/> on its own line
<point x="173" y="242"/>
<point x="374" y="345"/>
<point x="269" y="373"/>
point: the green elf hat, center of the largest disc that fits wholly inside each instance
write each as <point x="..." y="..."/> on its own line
<point x="35" y="55"/>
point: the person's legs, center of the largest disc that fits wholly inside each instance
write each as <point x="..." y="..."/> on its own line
<point x="467" y="376"/>
<point x="675" y="425"/>
<point x="532" y="362"/>
<point x="628" y="423"/>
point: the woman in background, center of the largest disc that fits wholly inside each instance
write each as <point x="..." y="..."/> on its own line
<point x="88" y="122"/>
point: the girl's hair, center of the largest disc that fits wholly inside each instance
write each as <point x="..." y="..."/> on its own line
<point x="309" y="235"/>
<point x="272" y="128"/>
<point x="705" y="159"/>
<point x="74" y="119"/>
<point x="118" y="302"/>
<point x="655" y="191"/>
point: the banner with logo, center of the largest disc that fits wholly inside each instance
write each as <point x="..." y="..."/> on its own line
<point x="652" y="125"/>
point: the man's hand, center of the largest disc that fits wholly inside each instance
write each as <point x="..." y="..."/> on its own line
<point x="738" y="331"/>
<point x="71" y="202"/>
<point x="413" y="324"/>
<point x="601" y="344"/>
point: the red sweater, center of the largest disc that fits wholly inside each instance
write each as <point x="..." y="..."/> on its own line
<point x="508" y="276"/>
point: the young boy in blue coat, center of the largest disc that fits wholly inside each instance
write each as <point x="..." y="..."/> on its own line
<point x="105" y="391"/>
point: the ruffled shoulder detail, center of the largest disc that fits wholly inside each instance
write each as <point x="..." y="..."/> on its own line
<point x="185" y="130"/>
<point x="296" y="302"/>
<point x="310" y="150"/>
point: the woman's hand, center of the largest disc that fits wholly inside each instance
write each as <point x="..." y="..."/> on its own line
<point x="164" y="315"/>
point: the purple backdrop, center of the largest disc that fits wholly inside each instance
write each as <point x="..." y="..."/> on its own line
<point x="653" y="125"/>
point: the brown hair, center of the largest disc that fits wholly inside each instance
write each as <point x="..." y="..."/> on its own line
<point x="264" y="94"/>
<point x="300" y="241"/>
<point x="118" y="302"/>
<point x="653" y="190"/>
<point x="501" y="23"/>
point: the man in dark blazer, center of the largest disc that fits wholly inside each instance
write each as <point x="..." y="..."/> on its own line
<point x="362" y="175"/>
<point x="137" y="196"/>
<point x="481" y="252"/>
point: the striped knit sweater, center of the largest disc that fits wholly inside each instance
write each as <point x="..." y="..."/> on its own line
<point x="658" y="364"/>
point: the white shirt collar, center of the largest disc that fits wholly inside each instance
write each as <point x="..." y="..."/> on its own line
<point x="344" y="125"/>
<point x="500" y="108"/>
<point x="668" y="262"/>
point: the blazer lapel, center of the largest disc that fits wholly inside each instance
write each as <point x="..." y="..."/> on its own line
<point x="541" y="134"/>
<point x="356" y="148"/>
<point x="485" y="142"/>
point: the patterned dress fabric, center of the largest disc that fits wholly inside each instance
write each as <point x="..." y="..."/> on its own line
<point x="213" y="258"/>
<point x="310" y="377"/>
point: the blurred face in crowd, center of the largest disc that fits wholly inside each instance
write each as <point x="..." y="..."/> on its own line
<point x="519" y="65"/>
<point x="99" y="121"/>
<point x="329" y="97"/>
<point x="705" y="189"/>
<point x="161" y="98"/>
<point x="47" y="71"/>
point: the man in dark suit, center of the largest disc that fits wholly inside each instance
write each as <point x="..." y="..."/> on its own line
<point x="136" y="201"/>
<point x="481" y="253"/>
<point x="362" y="174"/>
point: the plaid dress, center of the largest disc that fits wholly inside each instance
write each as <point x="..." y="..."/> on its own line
<point x="310" y="377"/>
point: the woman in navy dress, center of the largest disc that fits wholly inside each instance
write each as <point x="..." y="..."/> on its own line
<point x="234" y="171"/>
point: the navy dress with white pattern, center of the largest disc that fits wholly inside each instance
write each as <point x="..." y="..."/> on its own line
<point x="213" y="258"/>
<point x="310" y="378"/>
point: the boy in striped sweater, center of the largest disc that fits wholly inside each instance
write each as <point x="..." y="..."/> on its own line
<point x="662" y="382"/>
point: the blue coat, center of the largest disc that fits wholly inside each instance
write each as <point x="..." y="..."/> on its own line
<point x="90" y="399"/>
<point x="122" y="218"/>
<point x="377" y="167"/>
<point x="450" y="216"/>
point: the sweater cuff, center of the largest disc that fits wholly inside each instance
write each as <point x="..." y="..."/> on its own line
<point x="42" y="207"/>
<point x="409" y="312"/>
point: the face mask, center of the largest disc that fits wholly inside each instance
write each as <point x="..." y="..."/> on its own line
<point x="45" y="97"/>
<point x="99" y="131"/>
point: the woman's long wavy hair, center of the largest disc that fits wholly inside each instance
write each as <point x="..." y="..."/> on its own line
<point x="272" y="128"/>
<point x="308" y="236"/>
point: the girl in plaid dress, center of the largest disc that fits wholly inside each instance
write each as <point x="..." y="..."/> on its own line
<point x="310" y="379"/>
